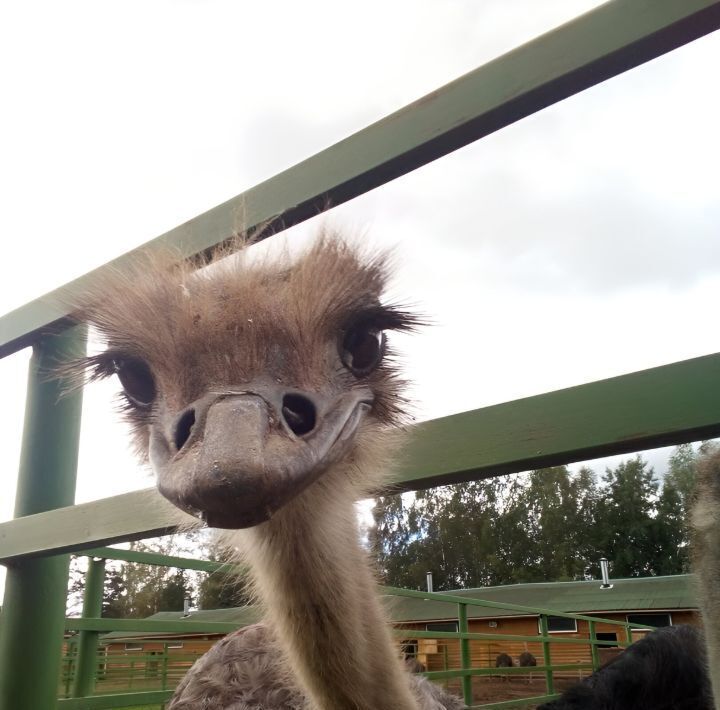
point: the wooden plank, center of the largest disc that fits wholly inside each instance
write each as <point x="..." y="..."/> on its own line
<point x="607" y="41"/>
<point x="665" y="405"/>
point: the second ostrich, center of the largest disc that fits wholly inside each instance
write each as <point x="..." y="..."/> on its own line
<point x="263" y="394"/>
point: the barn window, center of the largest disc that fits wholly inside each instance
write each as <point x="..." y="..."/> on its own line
<point x="560" y="624"/>
<point x="607" y="636"/>
<point x="649" y="619"/>
<point x="134" y="647"/>
<point x="449" y="626"/>
<point x="175" y="644"/>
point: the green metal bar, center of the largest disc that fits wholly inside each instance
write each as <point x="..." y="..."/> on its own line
<point x="607" y="41"/>
<point x="31" y="632"/>
<point x="593" y="647"/>
<point x="119" y="700"/>
<point x="628" y="633"/>
<point x="152" y="625"/>
<point x="166" y="652"/>
<point x="130" y="516"/>
<point x="465" y="659"/>
<point x="547" y="660"/>
<point x="85" y="672"/>
<point x="507" y="637"/>
<point x="472" y="601"/>
<point x="520" y="702"/>
<point x="457" y="672"/>
<point x="154" y="558"/>
<point x="663" y="405"/>
<point x="69" y="667"/>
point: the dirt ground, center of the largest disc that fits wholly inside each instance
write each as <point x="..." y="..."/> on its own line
<point x="495" y="690"/>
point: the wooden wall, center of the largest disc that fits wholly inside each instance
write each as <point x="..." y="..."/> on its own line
<point x="440" y="654"/>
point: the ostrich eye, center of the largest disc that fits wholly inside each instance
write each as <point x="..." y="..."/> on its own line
<point x="362" y="349"/>
<point x="137" y="380"/>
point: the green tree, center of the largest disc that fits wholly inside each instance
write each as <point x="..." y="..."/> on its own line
<point x="671" y="532"/>
<point x="114" y="604"/>
<point x="221" y="589"/>
<point x="625" y="518"/>
<point x="556" y="504"/>
<point x="682" y="474"/>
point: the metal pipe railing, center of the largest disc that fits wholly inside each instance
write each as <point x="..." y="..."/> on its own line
<point x="31" y="632"/>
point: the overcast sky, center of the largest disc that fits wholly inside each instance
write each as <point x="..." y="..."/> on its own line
<point x="577" y="244"/>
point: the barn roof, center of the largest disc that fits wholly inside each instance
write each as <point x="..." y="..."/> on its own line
<point x="635" y="594"/>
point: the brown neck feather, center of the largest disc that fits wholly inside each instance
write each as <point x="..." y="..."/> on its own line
<point x="320" y="595"/>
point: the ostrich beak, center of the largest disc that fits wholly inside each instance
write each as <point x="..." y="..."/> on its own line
<point x="235" y="458"/>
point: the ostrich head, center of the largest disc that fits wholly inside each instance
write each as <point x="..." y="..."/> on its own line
<point x="247" y="381"/>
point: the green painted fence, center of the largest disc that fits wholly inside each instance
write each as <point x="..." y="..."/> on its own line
<point x="89" y="671"/>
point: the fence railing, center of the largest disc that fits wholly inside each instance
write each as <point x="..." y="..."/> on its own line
<point x="666" y="405"/>
<point x="91" y="671"/>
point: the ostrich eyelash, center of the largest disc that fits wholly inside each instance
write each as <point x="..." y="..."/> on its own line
<point x="387" y="317"/>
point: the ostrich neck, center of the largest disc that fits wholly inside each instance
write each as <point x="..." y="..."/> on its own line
<point x="321" y="600"/>
<point x="706" y="519"/>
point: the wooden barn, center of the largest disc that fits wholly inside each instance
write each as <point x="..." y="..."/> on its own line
<point x="655" y="601"/>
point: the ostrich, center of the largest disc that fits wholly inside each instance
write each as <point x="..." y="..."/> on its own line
<point x="663" y="671"/>
<point x="705" y="520"/>
<point x="503" y="660"/>
<point x="263" y="394"/>
<point x="527" y="660"/>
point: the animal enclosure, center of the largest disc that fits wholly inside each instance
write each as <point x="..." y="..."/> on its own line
<point x="671" y="404"/>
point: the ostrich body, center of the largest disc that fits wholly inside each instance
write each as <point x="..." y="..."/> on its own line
<point x="503" y="660"/>
<point x="663" y="671"/>
<point x="262" y="394"/>
<point x="527" y="660"/>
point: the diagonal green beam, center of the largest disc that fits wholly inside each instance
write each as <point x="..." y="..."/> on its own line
<point x="662" y="406"/>
<point x="665" y="405"/>
<point x="605" y="42"/>
<point x="154" y="558"/>
<point x="189" y="626"/>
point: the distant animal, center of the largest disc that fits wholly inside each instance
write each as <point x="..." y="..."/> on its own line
<point x="264" y="396"/>
<point x="663" y="671"/>
<point x="527" y="660"/>
<point x="503" y="660"/>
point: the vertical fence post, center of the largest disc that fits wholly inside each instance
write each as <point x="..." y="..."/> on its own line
<point x="31" y="633"/>
<point x="593" y="647"/>
<point x="166" y="654"/>
<point x="465" y="660"/>
<point x="547" y="660"/>
<point x="85" y="670"/>
<point x="628" y="633"/>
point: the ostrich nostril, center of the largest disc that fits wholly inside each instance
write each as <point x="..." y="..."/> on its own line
<point x="184" y="428"/>
<point x="298" y="413"/>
